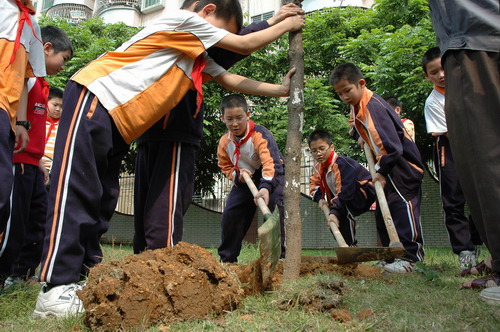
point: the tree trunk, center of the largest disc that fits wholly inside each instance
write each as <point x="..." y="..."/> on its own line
<point x="293" y="222"/>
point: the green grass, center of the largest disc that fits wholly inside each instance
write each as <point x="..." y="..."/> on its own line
<point x="429" y="300"/>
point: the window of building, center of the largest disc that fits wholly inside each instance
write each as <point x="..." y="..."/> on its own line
<point x="152" y="5"/>
<point x="262" y="17"/>
<point x="47" y="4"/>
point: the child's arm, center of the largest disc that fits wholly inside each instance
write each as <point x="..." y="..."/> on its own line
<point x="314" y="185"/>
<point x="21" y="132"/>
<point x="224" y="162"/>
<point x="245" y="85"/>
<point x="249" y="43"/>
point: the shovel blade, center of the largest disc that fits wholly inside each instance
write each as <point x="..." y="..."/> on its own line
<point x="365" y="254"/>
<point x="270" y="246"/>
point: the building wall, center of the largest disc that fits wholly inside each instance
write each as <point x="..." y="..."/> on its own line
<point x="202" y="226"/>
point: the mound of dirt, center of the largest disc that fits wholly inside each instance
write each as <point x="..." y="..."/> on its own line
<point x="158" y="287"/>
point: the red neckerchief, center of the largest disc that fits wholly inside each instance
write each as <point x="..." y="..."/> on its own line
<point x="51" y="128"/>
<point x="323" y="186"/>
<point x="439" y="89"/>
<point x="23" y="18"/>
<point x="197" y="77"/>
<point x="237" y="145"/>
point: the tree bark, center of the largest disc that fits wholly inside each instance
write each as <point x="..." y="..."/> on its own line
<point x="293" y="221"/>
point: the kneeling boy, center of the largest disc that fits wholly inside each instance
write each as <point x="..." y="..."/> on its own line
<point x="250" y="148"/>
<point x="340" y="182"/>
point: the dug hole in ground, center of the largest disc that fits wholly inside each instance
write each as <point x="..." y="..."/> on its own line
<point x="186" y="282"/>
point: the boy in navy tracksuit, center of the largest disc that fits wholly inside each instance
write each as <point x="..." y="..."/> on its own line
<point x="340" y="182"/>
<point x="250" y="148"/>
<point x="398" y="164"/>
<point x="166" y="155"/>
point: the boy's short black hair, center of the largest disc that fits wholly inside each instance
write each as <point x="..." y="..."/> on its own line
<point x="233" y="100"/>
<point x="187" y="3"/>
<point x="58" y="38"/>
<point x="346" y="71"/>
<point x="431" y="54"/>
<point x="320" y="134"/>
<point x="55" y="93"/>
<point x="226" y="10"/>
<point x="393" y="102"/>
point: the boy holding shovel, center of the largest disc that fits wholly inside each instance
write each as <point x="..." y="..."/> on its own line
<point x="341" y="183"/>
<point x="247" y="148"/>
<point x="398" y="166"/>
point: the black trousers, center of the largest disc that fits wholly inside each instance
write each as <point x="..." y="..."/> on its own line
<point x="472" y="109"/>
<point x="84" y="191"/>
<point x="461" y="230"/>
<point x="163" y="189"/>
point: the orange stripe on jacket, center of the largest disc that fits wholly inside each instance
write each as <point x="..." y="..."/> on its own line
<point x="64" y="165"/>
<point x="114" y="60"/>
<point x="138" y="114"/>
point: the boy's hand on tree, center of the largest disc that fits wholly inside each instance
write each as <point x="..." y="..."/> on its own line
<point x="285" y="11"/>
<point x="286" y="82"/>
<point x="295" y="23"/>
<point x="264" y="194"/>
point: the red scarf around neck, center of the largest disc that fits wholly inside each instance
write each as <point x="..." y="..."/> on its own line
<point x="323" y="184"/>
<point x="251" y="126"/>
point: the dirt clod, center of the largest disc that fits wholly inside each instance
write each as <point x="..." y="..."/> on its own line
<point x="340" y="315"/>
<point x="364" y="314"/>
<point x="158" y="287"/>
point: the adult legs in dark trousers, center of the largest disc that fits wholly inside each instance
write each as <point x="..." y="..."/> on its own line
<point x="461" y="230"/>
<point x="161" y="201"/>
<point x="473" y="114"/>
<point x="6" y="181"/>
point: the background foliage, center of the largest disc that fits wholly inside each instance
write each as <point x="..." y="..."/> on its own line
<point x="387" y="42"/>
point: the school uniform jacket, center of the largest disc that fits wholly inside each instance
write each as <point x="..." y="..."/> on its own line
<point x="148" y="75"/>
<point x="38" y="92"/>
<point x="396" y="153"/>
<point x="345" y="177"/>
<point x="27" y="61"/>
<point x="259" y="154"/>
<point x="51" y="127"/>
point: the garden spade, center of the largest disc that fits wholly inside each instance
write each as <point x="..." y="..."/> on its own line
<point x="346" y="254"/>
<point x="394" y="244"/>
<point x="269" y="236"/>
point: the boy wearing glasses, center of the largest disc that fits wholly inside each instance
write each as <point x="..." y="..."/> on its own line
<point x="341" y="183"/>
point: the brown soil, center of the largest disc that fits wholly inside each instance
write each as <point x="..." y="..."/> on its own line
<point x="340" y="315"/>
<point x="158" y="287"/>
<point x="186" y="282"/>
<point x="364" y="314"/>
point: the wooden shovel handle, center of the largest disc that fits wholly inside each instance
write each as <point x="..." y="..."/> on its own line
<point x="260" y="202"/>
<point x="334" y="228"/>
<point x="382" y="201"/>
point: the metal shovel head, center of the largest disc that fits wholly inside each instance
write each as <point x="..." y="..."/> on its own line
<point x="347" y="255"/>
<point x="270" y="245"/>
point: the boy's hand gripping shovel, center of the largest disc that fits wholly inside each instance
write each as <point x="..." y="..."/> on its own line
<point x="269" y="236"/>
<point x="394" y="244"/>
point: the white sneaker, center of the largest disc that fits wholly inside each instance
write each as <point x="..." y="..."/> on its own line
<point x="381" y="264"/>
<point x="59" y="301"/>
<point x="12" y="281"/>
<point x="467" y="259"/>
<point x="491" y="295"/>
<point x="399" y="266"/>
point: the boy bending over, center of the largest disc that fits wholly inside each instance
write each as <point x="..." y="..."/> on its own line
<point x="249" y="148"/>
<point x="341" y="183"/>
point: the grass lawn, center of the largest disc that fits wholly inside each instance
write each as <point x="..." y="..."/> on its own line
<point x="429" y="300"/>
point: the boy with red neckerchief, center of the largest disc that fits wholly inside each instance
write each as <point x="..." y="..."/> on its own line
<point x="398" y="165"/>
<point x="249" y="148"/>
<point x="463" y="234"/>
<point x="341" y="183"/>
